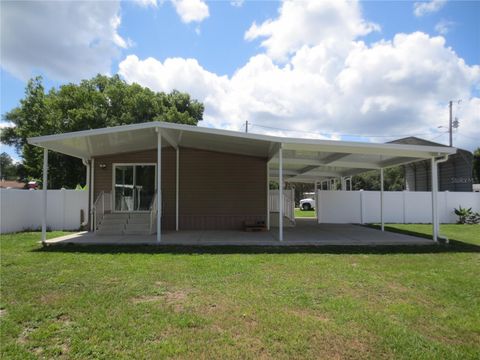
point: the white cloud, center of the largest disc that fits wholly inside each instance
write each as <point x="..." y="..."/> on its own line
<point x="443" y="27"/>
<point x="392" y="87"/>
<point x="188" y="10"/>
<point x="191" y="10"/>
<point x="6" y="124"/>
<point x="309" y="23"/>
<point x="330" y="85"/>
<point x="468" y="114"/>
<point x="174" y="73"/>
<point x="146" y="3"/>
<point x="237" y="3"/>
<point x="67" y="40"/>
<point x="427" y="7"/>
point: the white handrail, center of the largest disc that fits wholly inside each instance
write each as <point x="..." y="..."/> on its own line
<point x="288" y="203"/>
<point x="98" y="209"/>
<point x="153" y="212"/>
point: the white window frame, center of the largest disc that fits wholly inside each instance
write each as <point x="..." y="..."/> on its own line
<point x="114" y="165"/>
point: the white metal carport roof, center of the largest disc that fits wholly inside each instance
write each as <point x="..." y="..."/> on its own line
<point x="304" y="160"/>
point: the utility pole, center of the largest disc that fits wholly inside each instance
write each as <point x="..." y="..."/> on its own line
<point x="450" y="124"/>
<point x="246" y="126"/>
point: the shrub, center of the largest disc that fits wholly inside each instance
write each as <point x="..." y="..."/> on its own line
<point x="467" y="216"/>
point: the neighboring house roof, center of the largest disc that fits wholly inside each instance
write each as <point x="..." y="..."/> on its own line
<point x="412" y="140"/>
<point x="454" y="175"/>
<point x="11" y="184"/>
<point x="305" y="160"/>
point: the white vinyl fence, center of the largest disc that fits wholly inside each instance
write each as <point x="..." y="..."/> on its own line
<point x="288" y="202"/>
<point x="22" y="209"/>
<point x="399" y="206"/>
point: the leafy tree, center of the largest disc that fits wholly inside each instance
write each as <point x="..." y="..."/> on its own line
<point x="99" y="102"/>
<point x="370" y="180"/>
<point x="8" y="170"/>
<point x="476" y="165"/>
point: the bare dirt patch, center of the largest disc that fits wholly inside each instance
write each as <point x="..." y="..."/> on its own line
<point x="50" y="298"/>
<point x="340" y="347"/>
<point x="308" y="314"/>
<point x="64" y="319"/>
<point x="147" y="299"/>
<point x="175" y="298"/>
<point x="23" y="337"/>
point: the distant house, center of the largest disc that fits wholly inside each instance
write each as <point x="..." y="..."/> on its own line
<point x="453" y="175"/>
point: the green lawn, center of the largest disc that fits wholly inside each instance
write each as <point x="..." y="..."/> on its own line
<point x="332" y="302"/>
<point x="305" y="213"/>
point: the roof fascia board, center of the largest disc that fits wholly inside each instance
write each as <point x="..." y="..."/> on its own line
<point x="313" y="162"/>
<point x="419" y="151"/>
<point x="369" y="148"/>
<point x="103" y="131"/>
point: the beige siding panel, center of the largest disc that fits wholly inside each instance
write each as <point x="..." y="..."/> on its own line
<point x="217" y="190"/>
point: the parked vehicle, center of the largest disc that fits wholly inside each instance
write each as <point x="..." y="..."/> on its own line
<point x="307" y="204"/>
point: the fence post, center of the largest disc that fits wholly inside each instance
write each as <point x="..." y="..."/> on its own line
<point x="64" y="208"/>
<point x="318" y="205"/>
<point x="446" y="212"/>
<point x="280" y="194"/>
<point x="382" y="225"/>
<point x="268" y="197"/>
<point x="361" y="206"/>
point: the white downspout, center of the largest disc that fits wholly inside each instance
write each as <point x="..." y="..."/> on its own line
<point x="87" y="180"/>
<point x="177" y="180"/>
<point x="92" y="195"/>
<point x="435" y="220"/>
<point x="44" y="192"/>
<point x="159" y="185"/>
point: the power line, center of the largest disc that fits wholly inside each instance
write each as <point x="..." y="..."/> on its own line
<point x="334" y="134"/>
<point x="470" y="137"/>
<point x="436" y="137"/>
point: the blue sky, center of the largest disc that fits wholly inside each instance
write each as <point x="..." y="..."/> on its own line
<point x="253" y="60"/>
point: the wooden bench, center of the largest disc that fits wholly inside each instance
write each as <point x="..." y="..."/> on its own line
<point x="254" y="226"/>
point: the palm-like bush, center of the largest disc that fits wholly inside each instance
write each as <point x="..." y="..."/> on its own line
<point x="467" y="216"/>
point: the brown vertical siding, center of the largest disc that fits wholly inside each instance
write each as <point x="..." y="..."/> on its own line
<point x="217" y="190"/>
<point x="220" y="191"/>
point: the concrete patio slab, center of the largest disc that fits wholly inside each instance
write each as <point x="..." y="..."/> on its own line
<point x="306" y="233"/>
